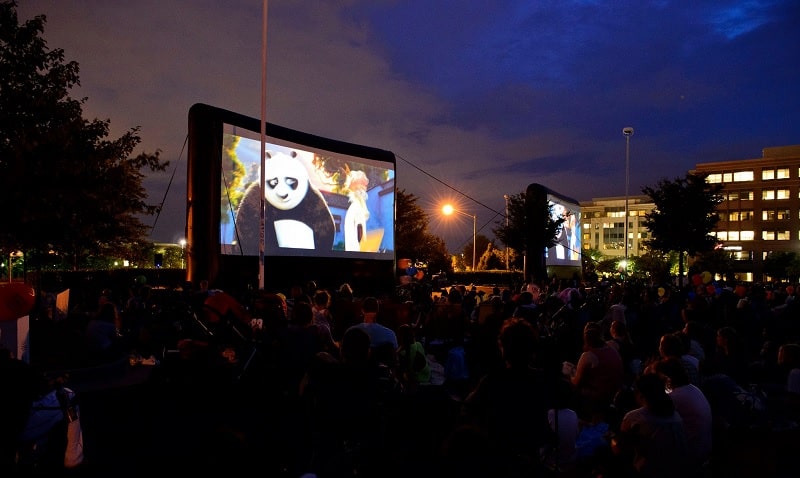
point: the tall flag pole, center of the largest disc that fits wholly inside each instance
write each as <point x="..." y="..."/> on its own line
<point x="263" y="144"/>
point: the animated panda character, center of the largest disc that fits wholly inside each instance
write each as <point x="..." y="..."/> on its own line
<point x="357" y="215"/>
<point x="296" y="215"/>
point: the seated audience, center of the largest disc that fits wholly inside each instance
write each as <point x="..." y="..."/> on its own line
<point x="693" y="407"/>
<point x="511" y="404"/>
<point x="598" y="376"/>
<point x="651" y="441"/>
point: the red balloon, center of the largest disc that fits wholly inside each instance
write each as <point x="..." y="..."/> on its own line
<point x="697" y="279"/>
<point x="16" y="300"/>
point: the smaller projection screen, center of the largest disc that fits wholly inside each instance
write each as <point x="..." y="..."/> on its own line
<point x="567" y="251"/>
<point x="563" y="259"/>
<point x="329" y="206"/>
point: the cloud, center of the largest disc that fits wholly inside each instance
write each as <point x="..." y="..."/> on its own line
<point x="483" y="97"/>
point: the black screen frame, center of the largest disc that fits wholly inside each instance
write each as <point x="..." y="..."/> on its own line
<point x="203" y="215"/>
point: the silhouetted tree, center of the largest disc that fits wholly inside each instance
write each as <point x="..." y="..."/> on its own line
<point x="684" y="216"/>
<point x="781" y="265"/>
<point x="514" y="233"/>
<point x="717" y="261"/>
<point x="67" y="190"/>
<point x="530" y="224"/>
<point x="482" y="243"/>
<point x="656" y="265"/>
<point x="412" y="239"/>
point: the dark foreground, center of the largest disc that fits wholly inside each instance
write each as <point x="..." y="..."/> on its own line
<point x="144" y="420"/>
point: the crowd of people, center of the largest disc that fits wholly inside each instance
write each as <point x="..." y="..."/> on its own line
<point x="557" y="378"/>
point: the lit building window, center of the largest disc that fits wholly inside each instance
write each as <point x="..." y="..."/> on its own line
<point x="727" y="177"/>
<point x="733" y="235"/>
<point x="767" y="215"/>
<point x="782" y="194"/>
<point x="740" y="215"/>
<point x="741" y="255"/>
<point x="782" y="214"/>
<point x="722" y="235"/>
<point x="768" y="235"/>
<point x="740" y="176"/>
<point x="783" y="235"/>
<point x="782" y="173"/>
<point x="767" y="174"/>
<point x="768" y="194"/>
<point x="714" y="178"/>
<point x="747" y="235"/>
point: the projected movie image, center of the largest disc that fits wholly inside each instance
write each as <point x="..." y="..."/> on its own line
<point x="567" y="251"/>
<point x="317" y="203"/>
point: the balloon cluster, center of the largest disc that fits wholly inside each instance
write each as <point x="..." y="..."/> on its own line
<point x="705" y="279"/>
<point x="415" y="273"/>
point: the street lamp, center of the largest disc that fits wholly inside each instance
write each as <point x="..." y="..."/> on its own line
<point x="183" y="253"/>
<point x="448" y="210"/>
<point x="627" y="132"/>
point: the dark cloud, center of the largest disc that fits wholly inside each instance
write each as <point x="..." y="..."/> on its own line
<point x="486" y="97"/>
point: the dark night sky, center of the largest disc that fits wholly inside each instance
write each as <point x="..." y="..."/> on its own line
<point x="485" y="96"/>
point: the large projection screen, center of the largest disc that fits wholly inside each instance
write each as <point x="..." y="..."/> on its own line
<point x="329" y="215"/>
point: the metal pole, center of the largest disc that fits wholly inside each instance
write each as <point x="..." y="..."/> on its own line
<point x="505" y="196"/>
<point x="262" y="230"/>
<point x="474" y="238"/>
<point x="627" y="132"/>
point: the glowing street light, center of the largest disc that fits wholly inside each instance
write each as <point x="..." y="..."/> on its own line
<point x="627" y="132"/>
<point x="448" y="210"/>
<point x="182" y="242"/>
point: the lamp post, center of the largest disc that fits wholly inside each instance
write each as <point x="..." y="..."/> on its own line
<point x="505" y="196"/>
<point x="183" y="253"/>
<point x="627" y="132"/>
<point x="448" y="210"/>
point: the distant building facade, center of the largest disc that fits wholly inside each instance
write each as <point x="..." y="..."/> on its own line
<point x="760" y="213"/>
<point x="604" y="225"/>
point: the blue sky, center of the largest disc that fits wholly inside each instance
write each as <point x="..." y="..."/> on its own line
<point x="485" y="96"/>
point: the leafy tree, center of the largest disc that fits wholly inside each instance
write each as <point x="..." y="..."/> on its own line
<point x="67" y="190"/>
<point x="656" y="265"/>
<point x="590" y="258"/>
<point x="781" y="265"/>
<point x="607" y="265"/>
<point x="514" y="232"/>
<point x="717" y="261"/>
<point x="412" y="239"/>
<point x="531" y="229"/>
<point x="684" y="216"/>
<point x="491" y="258"/>
<point x="482" y="243"/>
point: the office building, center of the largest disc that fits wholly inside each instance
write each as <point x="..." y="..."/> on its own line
<point x="760" y="213"/>
<point x="603" y="225"/>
